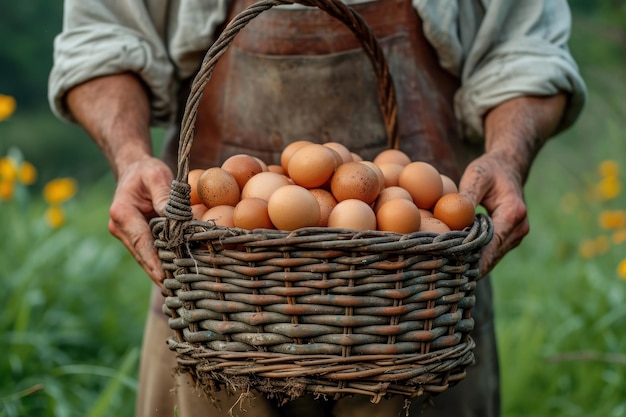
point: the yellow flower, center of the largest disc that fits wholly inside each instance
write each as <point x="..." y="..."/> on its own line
<point x="8" y="169"/>
<point x="612" y="219"/>
<point x="27" y="173"/>
<point x="602" y="244"/>
<point x="619" y="237"/>
<point x="55" y="216"/>
<point x="7" y="106"/>
<point x="609" y="188"/>
<point x="608" y="168"/>
<point x="587" y="249"/>
<point x="59" y="190"/>
<point x="621" y="269"/>
<point x="6" y="190"/>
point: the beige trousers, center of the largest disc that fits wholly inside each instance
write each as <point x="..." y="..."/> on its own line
<point x="163" y="393"/>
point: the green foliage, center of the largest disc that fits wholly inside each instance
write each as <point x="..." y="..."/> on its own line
<point x="73" y="310"/>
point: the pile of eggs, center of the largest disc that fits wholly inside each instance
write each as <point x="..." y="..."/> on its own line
<point x="327" y="185"/>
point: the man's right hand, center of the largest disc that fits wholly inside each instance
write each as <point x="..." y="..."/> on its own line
<point x="142" y="193"/>
<point x="115" y="111"/>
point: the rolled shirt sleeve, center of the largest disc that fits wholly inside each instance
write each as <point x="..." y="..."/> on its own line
<point x="107" y="37"/>
<point x="502" y="49"/>
<point x="162" y="41"/>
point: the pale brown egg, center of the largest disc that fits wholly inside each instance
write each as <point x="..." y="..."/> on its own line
<point x="389" y="193"/>
<point x="312" y="165"/>
<point x="398" y="215"/>
<point x="391" y="173"/>
<point x="352" y="214"/>
<point x="327" y="203"/>
<point x="242" y="167"/>
<point x="289" y="150"/>
<point x="455" y="210"/>
<point x="356" y="157"/>
<point x="423" y="182"/>
<point x="220" y="215"/>
<point x="433" y="225"/>
<point x="449" y="186"/>
<point x="394" y="156"/>
<point x="192" y="180"/>
<point x="355" y="180"/>
<point x="217" y="187"/>
<point x="341" y="149"/>
<point x="292" y="207"/>
<point x="425" y="213"/>
<point x="252" y="213"/>
<point x="276" y="168"/>
<point x="263" y="184"/>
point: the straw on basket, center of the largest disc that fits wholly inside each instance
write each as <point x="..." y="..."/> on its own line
<point x="317" y="310"/>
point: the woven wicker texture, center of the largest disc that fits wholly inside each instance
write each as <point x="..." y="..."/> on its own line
<point x="317" y="310"/>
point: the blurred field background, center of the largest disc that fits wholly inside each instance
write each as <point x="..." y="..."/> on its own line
<point x="74" y="301"/>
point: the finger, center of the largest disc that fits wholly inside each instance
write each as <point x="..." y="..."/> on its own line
<point x="137" y="237"/>
<point x="506" y="237"/>
<point x="474" y="183"/>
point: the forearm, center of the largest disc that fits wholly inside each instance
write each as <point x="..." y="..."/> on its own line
<point x="115" y="112"/>
<point x="517" y="129"/>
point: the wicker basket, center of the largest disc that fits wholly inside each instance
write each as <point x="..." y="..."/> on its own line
<point x="316" y="310"/>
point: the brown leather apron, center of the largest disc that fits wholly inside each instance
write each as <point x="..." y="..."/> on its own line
<point x="297" y="73"/>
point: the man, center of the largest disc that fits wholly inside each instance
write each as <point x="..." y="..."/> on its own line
<point x="481" y="86"/>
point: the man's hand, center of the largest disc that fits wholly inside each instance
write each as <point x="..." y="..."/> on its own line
<point x="142" y="193"/>
<point x="515" y="131"/>
<point x="488" y="181"/>
<point x="115" y="111"/>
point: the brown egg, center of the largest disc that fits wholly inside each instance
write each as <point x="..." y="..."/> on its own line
<point x="455" y="210"/>
<point x="263" y="184"/>
<point x="312" y="165"/>
<point x="341" y="149"/>
<point x="356" y="157"/>
<point x="355" y="180"/>
<point x="242" y="167"/>
<point x="398" y="215"/>
<point x="391" y="173"/>
<point x="449" y="186"/>
<point x="220" y="215"/>
<point x="217" y="187"/>
<point x="423" y="182"/>
<point x="289" y="150"/>
<point x="192" y="180"/>
<point x="433" y="225"/>
<point x="262" y="163"/>
<point x="327" y="203"/>
<point x="394" y="156"/>
<point x="198" y="210"/>
<point x="276" y="168"/>
<point x="292" y="207"/>
<point x="251" y="213"/>
<point x="390" y="193"/>
<point x="378" y="171"/>
<point x="352" y="214"/>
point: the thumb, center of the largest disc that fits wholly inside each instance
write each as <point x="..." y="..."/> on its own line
<point x="160" y="197"/>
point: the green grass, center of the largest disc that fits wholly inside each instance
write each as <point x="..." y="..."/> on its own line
<point x="74" y="301"/>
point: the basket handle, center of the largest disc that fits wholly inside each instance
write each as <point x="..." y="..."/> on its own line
<point x="336" y="9"/>
<point x="178" y="207"/>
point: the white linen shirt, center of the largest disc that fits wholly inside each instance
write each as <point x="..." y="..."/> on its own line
<point x="500" y="49"/>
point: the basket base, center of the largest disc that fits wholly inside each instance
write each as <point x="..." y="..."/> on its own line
<point x="284" y="378"/>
